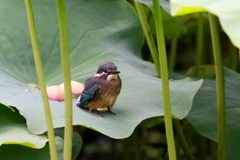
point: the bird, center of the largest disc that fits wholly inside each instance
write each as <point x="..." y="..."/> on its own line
<point x="101" y="91"/>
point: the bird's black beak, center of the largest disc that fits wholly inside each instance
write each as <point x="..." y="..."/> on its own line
<point x="115" y="72"/>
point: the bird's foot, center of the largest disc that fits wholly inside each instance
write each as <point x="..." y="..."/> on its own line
<point x="96" y="113"/>
<point x="109" y="111"/>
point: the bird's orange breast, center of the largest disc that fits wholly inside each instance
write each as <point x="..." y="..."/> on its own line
<point x="108" y="95"/>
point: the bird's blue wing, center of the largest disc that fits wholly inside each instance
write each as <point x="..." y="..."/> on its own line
<point x="88" y="95"/>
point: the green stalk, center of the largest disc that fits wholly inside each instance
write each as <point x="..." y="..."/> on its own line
<point x="177" y="145"/>
<point x="213" y="146"/>
<point x="239" y="53"/>
<point x="136" y="145"/>
<point x="182" y="140"/>
<point x="199" y="44"/>
<point x="220" y="88"/>
<point x="203" y="147"/>
<point x="173" y="51"/>
<point x="114" y="149"/>
<point x="233" y="59"/>
<point x="66" y="78"/>
<point x="148" y="35"/>
<point x="165" y="81"/>
<point x="127" y="149"/>
<point x="40" y="74"/>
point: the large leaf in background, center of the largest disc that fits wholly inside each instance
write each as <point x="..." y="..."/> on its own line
<point x="227" y="11"/>
<point x="16" y="141"/>
<point x="76" y="141"/>
<point x="203" y="115"/>
<point x="98" y="31"/>
<point x="172" y="26"/>
<point x="14" y="130"/>
<point x="164" y="3"/>
<point x="12" y="152"/>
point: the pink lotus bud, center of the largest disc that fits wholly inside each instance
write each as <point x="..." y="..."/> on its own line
<point x="77" y="87"/>
<point x="78" y="102"/>
<point x="55" y="93"/>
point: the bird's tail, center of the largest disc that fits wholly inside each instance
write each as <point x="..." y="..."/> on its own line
<point x="79" y="104"/>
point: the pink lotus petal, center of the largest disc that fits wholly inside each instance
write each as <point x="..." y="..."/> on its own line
<point x="77" y="87"/>
<point x="77" y="102"/>
<point x="55" y="93"/>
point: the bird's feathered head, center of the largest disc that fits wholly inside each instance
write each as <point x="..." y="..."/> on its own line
<point x="107" y="67"/>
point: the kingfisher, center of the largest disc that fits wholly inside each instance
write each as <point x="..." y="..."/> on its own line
<point x="102" y="90"/>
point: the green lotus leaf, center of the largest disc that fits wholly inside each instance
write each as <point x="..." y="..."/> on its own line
<point x="14" y="130"/>
<point x="227" y="11"/>
<point x="203" y="115"/>
<point x="172" y="26"/>
<point x="76" y="141"/>
<point x="164" y="3"/>
<point x="98" y="31"/>
<point x="20" y="152"/>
